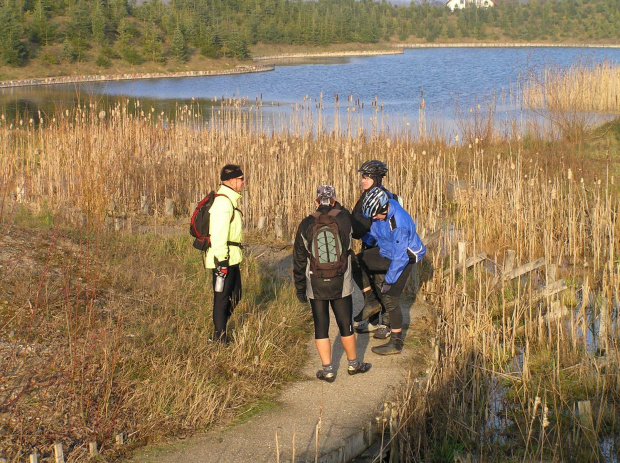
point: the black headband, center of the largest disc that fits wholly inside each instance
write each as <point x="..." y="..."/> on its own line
<point x="234" y="174"/>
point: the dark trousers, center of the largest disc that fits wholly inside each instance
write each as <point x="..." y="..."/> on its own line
<point x="375" y="267"/>
<point x="225" y="302"/>
<point x="358" y="276"/>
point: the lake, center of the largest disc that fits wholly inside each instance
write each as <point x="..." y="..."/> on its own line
<point x="443" y="77"/>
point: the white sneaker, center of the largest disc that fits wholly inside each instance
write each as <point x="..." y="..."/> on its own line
<point x="365" y="327"/>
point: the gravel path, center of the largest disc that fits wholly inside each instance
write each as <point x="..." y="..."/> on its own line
<point x="337" y="410"/>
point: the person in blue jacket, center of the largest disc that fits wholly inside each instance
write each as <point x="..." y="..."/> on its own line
<point x="372" y="174"/>
<point x="397" y="248"/>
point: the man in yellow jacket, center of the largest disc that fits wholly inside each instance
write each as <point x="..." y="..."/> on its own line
<point x="225" y="253"/>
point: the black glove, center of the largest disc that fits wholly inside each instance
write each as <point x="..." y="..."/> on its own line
<point x="221" y="267"/>
<point x="301" y="296"/>
<point x="385" y="287"/>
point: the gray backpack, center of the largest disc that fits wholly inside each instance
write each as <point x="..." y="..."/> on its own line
<point x="328" y="258"/>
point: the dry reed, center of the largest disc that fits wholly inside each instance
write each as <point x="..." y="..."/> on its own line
<point x="501" y="382"/>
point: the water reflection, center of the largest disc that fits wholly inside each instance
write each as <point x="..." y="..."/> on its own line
<point x="416" y="92"/>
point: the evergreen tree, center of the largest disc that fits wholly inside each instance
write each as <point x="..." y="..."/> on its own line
<point x="98" y="23"/>
<point x="178" y="46"/>
<point x="13" y="51"/>
<point x="152" y="45"/>
<point x="42" y="30"/>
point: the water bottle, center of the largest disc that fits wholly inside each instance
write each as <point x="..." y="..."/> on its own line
<point x="219" y="283"/>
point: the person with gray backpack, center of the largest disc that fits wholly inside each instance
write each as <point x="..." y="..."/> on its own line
<point x="322" y="275"/>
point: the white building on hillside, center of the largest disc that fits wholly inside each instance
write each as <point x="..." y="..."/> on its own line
<point x="452" y="4"/>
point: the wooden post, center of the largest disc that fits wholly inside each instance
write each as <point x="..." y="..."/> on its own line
<point x="509" y="263"/>
<point x="552" y="271"/>
<point x="605" y="326"/>
<point x="112" y="207"/>
<point x="118" y="223"/>
<point x="585" y="414"/>
<point x="261" y="222"/>
<point x="144" y="205"/>
<point x="59" y="456"/>
<point x="394" y="451"/>
<point x="119" y="439"/>
<point x="462" y="253"/>
<point x="92" y="449"/>
<point x="168" y="207"/>
<point x="34" y="457"/>
<point x="20" y="193"/>
<point x="278" y="227"/>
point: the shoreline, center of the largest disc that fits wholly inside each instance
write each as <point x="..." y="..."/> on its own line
<point x="503" y="45"/>
<point x="247" y="69"/>
<point x="328" y="54"/>
<point x="399" y="48"/>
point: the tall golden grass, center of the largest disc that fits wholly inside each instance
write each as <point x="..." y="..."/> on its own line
<point x="578" y="87"/>
<point x="509" y="374"/>
<point x="511" y="368"/>
<point x="570" y="97"/>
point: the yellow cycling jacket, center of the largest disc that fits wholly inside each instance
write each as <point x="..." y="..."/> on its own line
<point x="223" y="231"/>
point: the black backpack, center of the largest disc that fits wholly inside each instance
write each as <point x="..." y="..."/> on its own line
<point x="328" y="258"/>
<point x="199" y="223"/>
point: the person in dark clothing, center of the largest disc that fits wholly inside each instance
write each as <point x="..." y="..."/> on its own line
<point x="398" y="248"/>
<point x="322" y="274"/>
<point x="373" y="317"/>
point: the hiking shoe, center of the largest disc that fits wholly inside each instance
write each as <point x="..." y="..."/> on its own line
<point x="382" y="332"/>
<point x="360" y="368"/>
<point x="323" y="375"/>
<point x="394" y="346"/>
<point x="365" y="327"/>
<point x="370" y="308"/>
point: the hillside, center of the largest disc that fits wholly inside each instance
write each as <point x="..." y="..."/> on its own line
<point x="45" y="37"/>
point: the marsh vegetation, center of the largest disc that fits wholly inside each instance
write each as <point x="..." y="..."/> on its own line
<point x="103" y="332"/>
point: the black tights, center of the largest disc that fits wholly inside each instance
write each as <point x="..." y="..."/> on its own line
<point x="343" y="311"/>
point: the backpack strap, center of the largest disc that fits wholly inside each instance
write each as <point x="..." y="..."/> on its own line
<point x="334" y="212"/>
<point x="231" y="243"/>
<point x="232" y="217"/>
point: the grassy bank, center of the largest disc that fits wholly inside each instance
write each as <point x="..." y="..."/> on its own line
<point x="39" y="68"/>
<point x="108" y="333"/>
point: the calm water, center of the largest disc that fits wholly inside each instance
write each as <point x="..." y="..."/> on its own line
<point x="445" y="77"/>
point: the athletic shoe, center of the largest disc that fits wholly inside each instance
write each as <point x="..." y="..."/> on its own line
<point x="365" y="327"/>
<point x="383" y="332"/>
<point x="360" y="368"/>
<point x="324" y="376"/>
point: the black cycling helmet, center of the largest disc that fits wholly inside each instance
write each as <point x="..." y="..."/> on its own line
<point x="375" y="202"/>
<point x="374" y="168"/>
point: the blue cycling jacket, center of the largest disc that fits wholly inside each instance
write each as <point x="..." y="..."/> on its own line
<point x="397" y="240"/>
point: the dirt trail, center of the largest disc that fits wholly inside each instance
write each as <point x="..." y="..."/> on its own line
<point x="338" y="410"/>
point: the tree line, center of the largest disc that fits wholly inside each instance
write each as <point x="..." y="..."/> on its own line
<point x="135" y="31"/>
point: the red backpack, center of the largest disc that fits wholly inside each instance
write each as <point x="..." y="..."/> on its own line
<point x="199" y="223"/>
